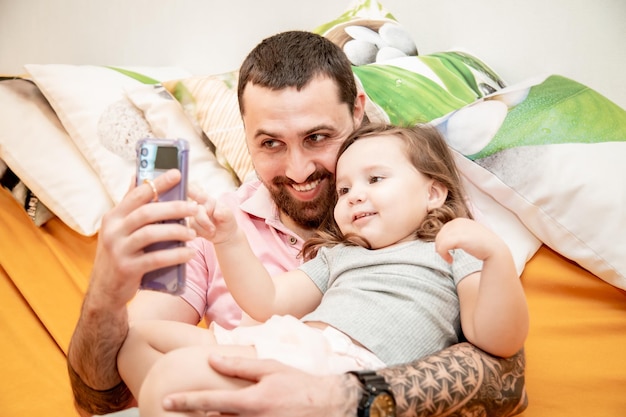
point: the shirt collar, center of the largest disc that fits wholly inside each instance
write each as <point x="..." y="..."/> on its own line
<point x="259" y="203"/>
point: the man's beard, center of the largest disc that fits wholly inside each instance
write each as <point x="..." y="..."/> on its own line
<point x="308" y="214"/>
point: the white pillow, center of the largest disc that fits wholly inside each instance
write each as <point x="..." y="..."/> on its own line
<point x="34" y="144"/>
<point x="487" y="211"/>
<point x="90" y="101"/>
<point x="211" y="103"/>
<point x="167" y="119"/>
<point x="552" y="151"/>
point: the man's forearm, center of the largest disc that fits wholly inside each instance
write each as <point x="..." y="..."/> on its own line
<point x="92" y="360"/>
<point x="89" y="401"/>
<point x="459" y="381"/>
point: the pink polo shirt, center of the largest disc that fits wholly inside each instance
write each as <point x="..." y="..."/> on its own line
<point x="272" y="242"/>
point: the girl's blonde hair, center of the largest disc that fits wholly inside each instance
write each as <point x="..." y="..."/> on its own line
<point x="429" y="153"/>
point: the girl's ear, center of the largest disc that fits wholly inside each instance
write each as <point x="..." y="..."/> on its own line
<point x="437" y="195"/>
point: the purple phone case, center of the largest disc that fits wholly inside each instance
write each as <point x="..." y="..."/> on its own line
<point x="169" y="279"/>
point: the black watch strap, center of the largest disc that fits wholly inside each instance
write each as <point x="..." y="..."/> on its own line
<point x="375" y="389"/>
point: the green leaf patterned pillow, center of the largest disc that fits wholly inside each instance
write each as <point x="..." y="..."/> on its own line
<point x="418" y="89"/>
<point x="403" y="87"/>
<point x="552" y="151"/>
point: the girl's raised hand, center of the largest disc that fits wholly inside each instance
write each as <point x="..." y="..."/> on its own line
<point x="469" y="235"/>
<point x="213" y="220"/>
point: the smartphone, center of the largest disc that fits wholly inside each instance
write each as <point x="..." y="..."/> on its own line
<point x="155" y="157"/>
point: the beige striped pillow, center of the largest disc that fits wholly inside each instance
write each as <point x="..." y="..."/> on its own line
<point x="211" y="101"/>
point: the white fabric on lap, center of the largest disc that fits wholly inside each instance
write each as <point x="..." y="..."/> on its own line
<point x="292" y="342"/>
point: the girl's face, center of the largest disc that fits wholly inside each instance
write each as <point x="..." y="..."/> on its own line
<point x="382" y="197"/>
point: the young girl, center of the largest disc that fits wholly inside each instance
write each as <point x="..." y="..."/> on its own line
<point x="399" y="272"/>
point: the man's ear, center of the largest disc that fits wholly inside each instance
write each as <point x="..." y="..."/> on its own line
<point x="358" y="112"/>
<point x="437" y="195"/>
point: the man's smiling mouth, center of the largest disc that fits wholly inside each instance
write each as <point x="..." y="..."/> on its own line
<point x="306" y="187"/>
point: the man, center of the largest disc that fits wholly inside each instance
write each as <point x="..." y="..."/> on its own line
<point x="298" y="101"/>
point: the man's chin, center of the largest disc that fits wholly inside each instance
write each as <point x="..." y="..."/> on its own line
<point x="307" y="214"/>
<point x="307" y="209"/>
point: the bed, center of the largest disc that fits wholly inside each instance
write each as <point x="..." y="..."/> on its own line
<point x="542" y="160"/>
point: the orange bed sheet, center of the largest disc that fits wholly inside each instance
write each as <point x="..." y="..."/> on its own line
<point x="43" y="276"/>
<point x="575" y="360"/>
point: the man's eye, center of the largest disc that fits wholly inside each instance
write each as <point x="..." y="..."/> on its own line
<point x="270" y="143"/>
<point x="316" y="138"/>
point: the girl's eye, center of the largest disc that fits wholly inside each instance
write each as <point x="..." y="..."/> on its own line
<point x="374" y="179"/>
<point x="342" y="191"/>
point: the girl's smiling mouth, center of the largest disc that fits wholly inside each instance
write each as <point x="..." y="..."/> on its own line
<point x="361" y="215"/>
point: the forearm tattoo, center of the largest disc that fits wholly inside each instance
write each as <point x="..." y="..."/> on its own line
<point x="461" y="381"/>
<point x="350" y="395"/>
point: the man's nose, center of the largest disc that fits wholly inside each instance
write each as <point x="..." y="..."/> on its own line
<point x="300" y="165"/>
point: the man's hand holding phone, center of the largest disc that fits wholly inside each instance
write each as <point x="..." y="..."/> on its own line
<point x="154" y="158"/>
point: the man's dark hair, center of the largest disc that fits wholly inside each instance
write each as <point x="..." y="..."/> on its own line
<point x="293" y="59"/>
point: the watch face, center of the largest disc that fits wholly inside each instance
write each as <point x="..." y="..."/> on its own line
<point x="383" y="405"/>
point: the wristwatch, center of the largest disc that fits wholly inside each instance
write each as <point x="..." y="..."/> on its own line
<point x="377" y="399"/>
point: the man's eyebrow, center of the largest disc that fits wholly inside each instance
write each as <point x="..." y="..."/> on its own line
<point x="263" y="132"/>
<point x="304" y="133"/>
<point x="317" y="128"/>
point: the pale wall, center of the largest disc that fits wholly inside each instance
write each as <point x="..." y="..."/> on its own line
<point x="581" y="39"/>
